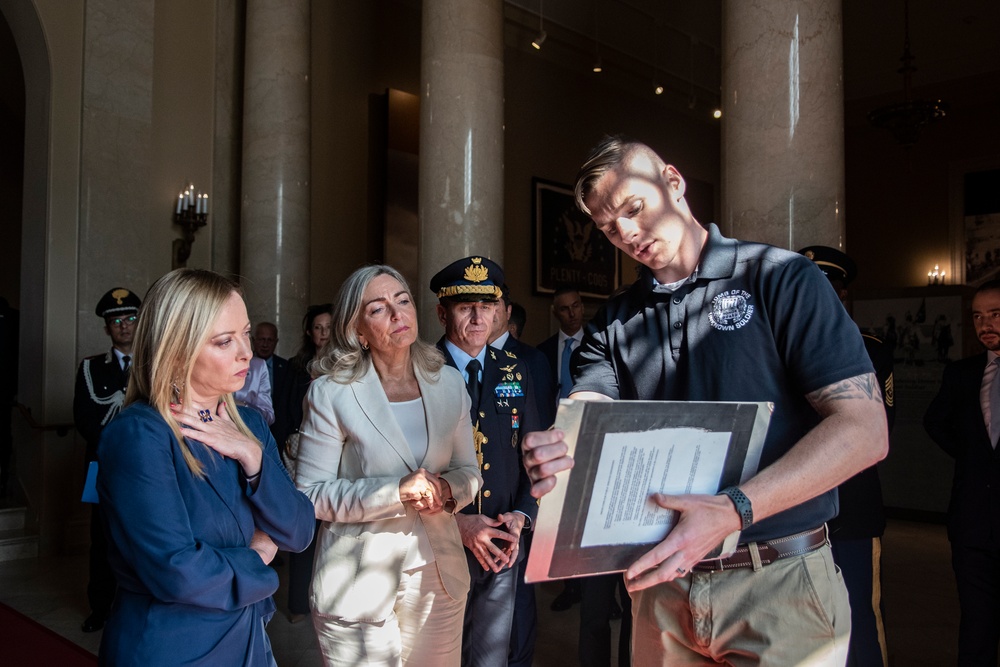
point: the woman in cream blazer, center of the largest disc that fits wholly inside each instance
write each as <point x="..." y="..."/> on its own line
<point x="386" y="456"/>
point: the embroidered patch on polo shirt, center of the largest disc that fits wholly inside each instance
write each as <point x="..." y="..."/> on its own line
<point x="731" y="310"/>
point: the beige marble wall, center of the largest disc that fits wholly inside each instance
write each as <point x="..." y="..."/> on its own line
<point x="783" y="125"/>
<point x="116" y="157"/>
<point x="461" y="139"/>
<point x="275" y="189"/>
<point x="182" y="127"/>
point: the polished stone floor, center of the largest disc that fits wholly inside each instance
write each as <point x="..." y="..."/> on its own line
<point x="919" y="589"/>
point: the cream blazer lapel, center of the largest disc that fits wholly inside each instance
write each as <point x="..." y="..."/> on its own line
<point x="373" y="402"/>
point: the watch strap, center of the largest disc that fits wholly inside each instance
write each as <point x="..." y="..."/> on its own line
<point x="743" y="506"/>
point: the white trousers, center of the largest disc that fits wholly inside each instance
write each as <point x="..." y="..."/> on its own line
<point x="425" y="628"/>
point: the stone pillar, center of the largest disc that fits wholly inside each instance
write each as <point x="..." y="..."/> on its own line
<point x="461" y="140"/>
<point x="274" y="238"/>
<point x="783" y="122"/>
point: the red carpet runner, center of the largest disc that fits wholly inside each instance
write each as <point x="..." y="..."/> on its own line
<point x="26" y="643"/>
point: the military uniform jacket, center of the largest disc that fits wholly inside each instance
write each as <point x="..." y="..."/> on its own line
<point x="98" y="396"/>
<point x="505" y="413"/>
<point x="862" y="513"/>
<point x="543" y="392"/>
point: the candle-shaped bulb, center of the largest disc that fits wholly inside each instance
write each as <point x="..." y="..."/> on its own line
<point x="180" y="202"/>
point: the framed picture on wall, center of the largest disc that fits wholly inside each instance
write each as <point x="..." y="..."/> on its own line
<point x="568" y="250"/>
<point x="975" y="220"/>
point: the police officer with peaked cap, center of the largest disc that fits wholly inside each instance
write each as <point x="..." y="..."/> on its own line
<point x="97" y="398"/>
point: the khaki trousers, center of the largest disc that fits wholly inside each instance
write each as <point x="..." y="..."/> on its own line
<point x="793" y="612"/>
<point x="425" y="628"/>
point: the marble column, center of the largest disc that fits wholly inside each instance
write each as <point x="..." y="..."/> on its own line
<point x="783" y="122"/>
<point x="461" y="140"/>
<point x="274" y="238"/>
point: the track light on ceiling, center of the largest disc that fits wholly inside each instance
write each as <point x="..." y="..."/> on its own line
<point x="597" y="66"/>
<point x="540" y="39"/>
<point x="717" y="114"/>
<point x="658" y="89"/>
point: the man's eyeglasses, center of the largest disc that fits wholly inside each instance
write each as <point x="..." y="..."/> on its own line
<point x="119" y="322"/>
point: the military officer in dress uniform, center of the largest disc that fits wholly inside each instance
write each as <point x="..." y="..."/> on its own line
<point x="100" y="390"/>
<point x="502" y="409"/>
<point x="856" y="532"/>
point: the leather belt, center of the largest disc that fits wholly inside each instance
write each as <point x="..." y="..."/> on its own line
<point x="769" y="551"/>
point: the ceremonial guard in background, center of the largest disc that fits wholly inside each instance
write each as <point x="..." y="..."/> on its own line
<point x="856" y="532"/>
<point x="97" y="398"/>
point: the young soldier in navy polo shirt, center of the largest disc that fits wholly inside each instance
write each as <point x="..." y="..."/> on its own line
<point x="716" y="319"/>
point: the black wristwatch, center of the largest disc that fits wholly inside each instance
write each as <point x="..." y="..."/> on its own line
<point x="742" y="503"/>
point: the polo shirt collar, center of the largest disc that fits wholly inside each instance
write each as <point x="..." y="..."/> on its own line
<point x="718" y="257"/>
<point x="718" y="260"/>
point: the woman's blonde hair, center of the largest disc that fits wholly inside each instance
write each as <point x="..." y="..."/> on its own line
<point x="344" y="359"/>
<point x="175" y="321"/>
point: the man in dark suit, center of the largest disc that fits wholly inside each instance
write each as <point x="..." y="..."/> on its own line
<point x="567" y="308"/>
<point x="524" y="629"/>
<point x="502" y="409"/>
<point x="964" y="420"/>
<point x="97" y="398"/>
<point x="265" y="341"/>
<point x="517" y="320"/>
<point x="856" y="532"/>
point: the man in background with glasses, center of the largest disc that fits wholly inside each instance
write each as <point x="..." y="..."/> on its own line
<point x="100" y="390"/>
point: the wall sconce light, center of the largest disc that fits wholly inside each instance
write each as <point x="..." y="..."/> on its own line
<point x="191" y="214"/>
<point x="717" y="114"/>
<point x="935" y="277"/>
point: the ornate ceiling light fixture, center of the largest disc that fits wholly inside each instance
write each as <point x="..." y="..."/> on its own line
<point x="904" y="119"/>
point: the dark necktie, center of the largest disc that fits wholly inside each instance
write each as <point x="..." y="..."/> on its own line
<point x="126" y="363"/>
<point x="565" y="374"/>
<point x="995" y="405"/>
<point x="473" y="368"/>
